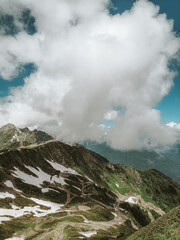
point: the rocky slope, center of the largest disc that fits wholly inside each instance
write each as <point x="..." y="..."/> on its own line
<point x="56" y="191"/>
<point x="50" y="190"/>
<point x="12" y="137"/>
<point x="167" y="162"/>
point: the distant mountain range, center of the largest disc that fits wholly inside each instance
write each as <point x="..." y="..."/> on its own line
<point x="50" y="190"/>
<point x="174" y="153"/>
<point x="168" y="162"/>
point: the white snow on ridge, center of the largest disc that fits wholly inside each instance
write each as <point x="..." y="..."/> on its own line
<point x="41" y="177"/>
<point x="44" y="190"/>
<point x="62" y="168"/>
<point x="58" y="180"/>
<point x="6" y="195"/>
<point x="5" y="214"/>
<point x="15" y="137"/>
<point x="88" y="234"/>
<point x="54" y="206"/>
<point x="4" y="219"/>
<point x="132" y="200"/>
<point x="114" y="214"/>
<point x="9" y="184"/>
<point x="90" y="180"/>
<point x="16" y="238"/>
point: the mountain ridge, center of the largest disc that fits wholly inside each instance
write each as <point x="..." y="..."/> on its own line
<point x="12" y="137"/>
<point x="52" y="190"/>
<point x="141" y="160"/>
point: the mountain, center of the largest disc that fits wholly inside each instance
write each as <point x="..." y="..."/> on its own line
<point x="51" y="190"/>
<point x="165" y="227"/>
<point x="12" y="137"/>
<point x="56" y="191"/>
<point x="174" y="153"/>
<point x="168" y="163"/>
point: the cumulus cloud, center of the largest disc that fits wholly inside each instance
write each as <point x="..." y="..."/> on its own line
<point x="174" y="125"/>
<point x="90" y="66"/>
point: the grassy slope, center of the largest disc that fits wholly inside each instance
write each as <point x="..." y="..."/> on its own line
<point x="152" y="185"/>
<point x="166" y="227"/>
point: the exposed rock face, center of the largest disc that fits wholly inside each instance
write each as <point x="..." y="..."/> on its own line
<point x="12" y="137"/>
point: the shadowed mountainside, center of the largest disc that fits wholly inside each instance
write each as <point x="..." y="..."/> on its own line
<point x="142" y="160"/>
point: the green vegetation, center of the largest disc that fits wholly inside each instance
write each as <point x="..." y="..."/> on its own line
<point x="118" y="232"/>
<point x="116" y="183"/>
<point x="93" y="174"/>
<point x="128" y="223"/>
<point x="166" y="227"/>
<point x="154" y="214"/>
<point x="52" y="223"/>
<point x="10" y="227"/>
<point x="78" y="219"/>
<point x="49" y="224"/>
<point x="160" y="190"/>
<point x="33" y="236"/>
<point x="139" y="214"/>
<point x="58" y="214"/>
<point x="97" y="214"/>
<point x="71" y="232"/>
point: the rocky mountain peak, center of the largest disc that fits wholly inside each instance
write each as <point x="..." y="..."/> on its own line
<point x="12" y="137"/>
<point x="7" y="127"/>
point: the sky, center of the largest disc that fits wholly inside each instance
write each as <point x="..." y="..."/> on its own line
<point x="92" y="70"/>
<point x="170" y="104"/>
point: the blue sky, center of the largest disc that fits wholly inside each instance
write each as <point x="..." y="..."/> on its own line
<point x="170" y="105"/>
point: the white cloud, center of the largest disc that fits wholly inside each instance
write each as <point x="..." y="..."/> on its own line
<point x="111" y="115"/>
<point x="88" y="64"/>
<point x="174" y="125"/>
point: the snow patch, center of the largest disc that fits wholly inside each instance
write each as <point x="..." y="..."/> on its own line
<point x="35" y="210"/>
<point x="132" y="200"/>
<point x="44" y="190"/>
<point x="15" y="138"/>
<point x="62" y="168"/>
<point x="58" y="180"/>
<point x="4" y="219"/>
<point x="16" y="238"/>
<point x="114" y="214"/>
<point x="6" y="195"/>
<point x="76" y="188"/>
<point x="9" y="184"/>
<point x="41" y="177"/>
<point x="90" y="180"/>
<point x="88" y="234"/>
<point x="54" y="206"/>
